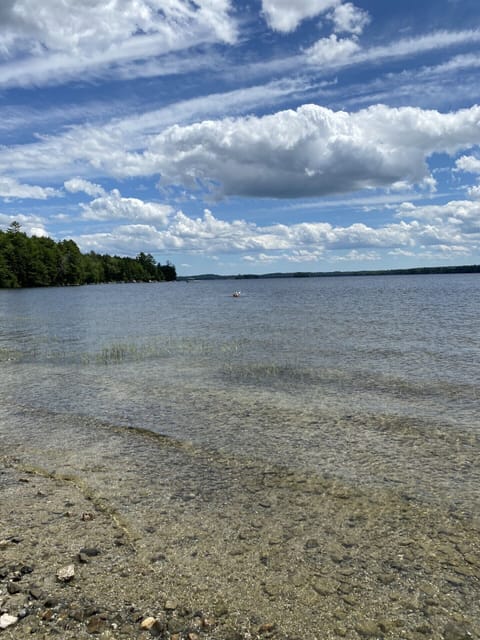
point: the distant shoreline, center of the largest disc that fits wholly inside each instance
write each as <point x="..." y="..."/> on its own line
<point x="475" y="268"/>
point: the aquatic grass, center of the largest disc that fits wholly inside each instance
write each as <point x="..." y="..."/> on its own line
<point x="252" y="373"/>
<point x="7" y="355"/>
<point x="159" y="348"/>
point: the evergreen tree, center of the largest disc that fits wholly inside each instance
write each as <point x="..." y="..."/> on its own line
<point x="42" y="262"/>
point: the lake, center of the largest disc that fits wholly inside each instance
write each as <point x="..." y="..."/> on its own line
<point x="304" y="412"/>
<point x="370" y="378"/>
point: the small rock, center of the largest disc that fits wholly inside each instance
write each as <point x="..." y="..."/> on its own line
<point x="35" y="592"/>
<point x="324" y="587"/>
<point x="13" y="588"/>
<point x="77" y="614"/>
<point x="311" y="544"/>
<point x="96" y="625"/>
<point x="84" y="559"/>
<point x="367" y="629"/>
<point x="266" y="627"/>
<point x="90" y="551"/>
<point x="455" y="631"/>
<point x="6" y="620"/>
<point x="51" y="602"/>
<point x="147" y="623"/>
<point x="87" y="517"/>
<point x="455" y="580"/>
<point x="208" y="623"/>
<point x="67" y="573"/>
<point x="171" y="605"/>
<point x="26" y="568"/>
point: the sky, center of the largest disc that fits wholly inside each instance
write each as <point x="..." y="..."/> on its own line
<point x="245" y="137"/>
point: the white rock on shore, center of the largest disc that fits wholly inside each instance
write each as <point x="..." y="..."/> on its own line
<point x="6" y="620"/>
<point x="65" y="574"/>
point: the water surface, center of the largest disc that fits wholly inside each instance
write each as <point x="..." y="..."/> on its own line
<point x="371" y="379"/>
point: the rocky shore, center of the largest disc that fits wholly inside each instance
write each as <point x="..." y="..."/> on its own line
<point x="124" y="535"/>
<point x="103" y="591"/>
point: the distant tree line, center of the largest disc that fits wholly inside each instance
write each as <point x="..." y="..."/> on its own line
<point x="42" y="262"/>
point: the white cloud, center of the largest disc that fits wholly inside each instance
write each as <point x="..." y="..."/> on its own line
<point x="402" y="48"/>
<point x="76" y="185"/>
<point x="358" y="256"/>
<point x="455" y="222"/>
<point x="429" y="42"/>
<point x="286" y="15"/>
<point x="76" y="27"/>
<point x="331" y="51"/>
<point x="30" y="224"/>
<point x="113" y="206"/>
<point x="11" y="188"/>
<point x="106" y="148"/>
<point x="474" y="192"/>
<point x="470" y="164"/>
<point x="453" y="228"/>
<point x="349" y="19"/>
<point x="312" y="151"/>
<point x="65" y="38"/>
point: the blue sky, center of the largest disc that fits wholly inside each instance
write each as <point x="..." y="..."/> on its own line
<point x="245" y="137"/>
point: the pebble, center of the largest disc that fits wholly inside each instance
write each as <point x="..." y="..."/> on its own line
<point x="6" y="620"/>
<point x="266" y="627"/>
<point x="13" y="587"/>
<point x="96" y="625"/>
<point x="90" y="551"/>
<point x="324" y="587"/>
<point x="147" y="623"/>
<point x="67" y="573"/>
<point x="367" y="629"/>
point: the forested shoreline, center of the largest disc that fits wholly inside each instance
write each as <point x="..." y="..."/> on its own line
<point x="42" y="262"/>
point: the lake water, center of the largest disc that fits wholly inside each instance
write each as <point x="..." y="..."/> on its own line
<point x="307" y="454"/>
<point x="371" y="379"/>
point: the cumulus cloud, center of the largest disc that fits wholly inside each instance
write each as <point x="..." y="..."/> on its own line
<point x="312" y="151"/>
<point x="106" y="148"/>
<point x="455" y="222"/>
<point x="453" y="228"/>
<point x="349" y="18"/>
<point x="470" y="164"/>
<point x="331" y="51"/>
<point x="474" y="192"/>
<point x="11" y="188"/>
<point x="79" y="185"/>
<point x="112" y="206"/>
<point x="30" y="224"/>
<point x="285" y="15"/>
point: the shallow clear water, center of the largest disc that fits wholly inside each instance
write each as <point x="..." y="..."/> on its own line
<point x="371" y="379"/>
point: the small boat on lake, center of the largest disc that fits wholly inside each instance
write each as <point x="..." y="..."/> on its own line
<point x="236" y="294"/>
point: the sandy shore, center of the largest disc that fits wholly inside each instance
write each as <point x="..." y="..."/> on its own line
<point x="162" y="539"/>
